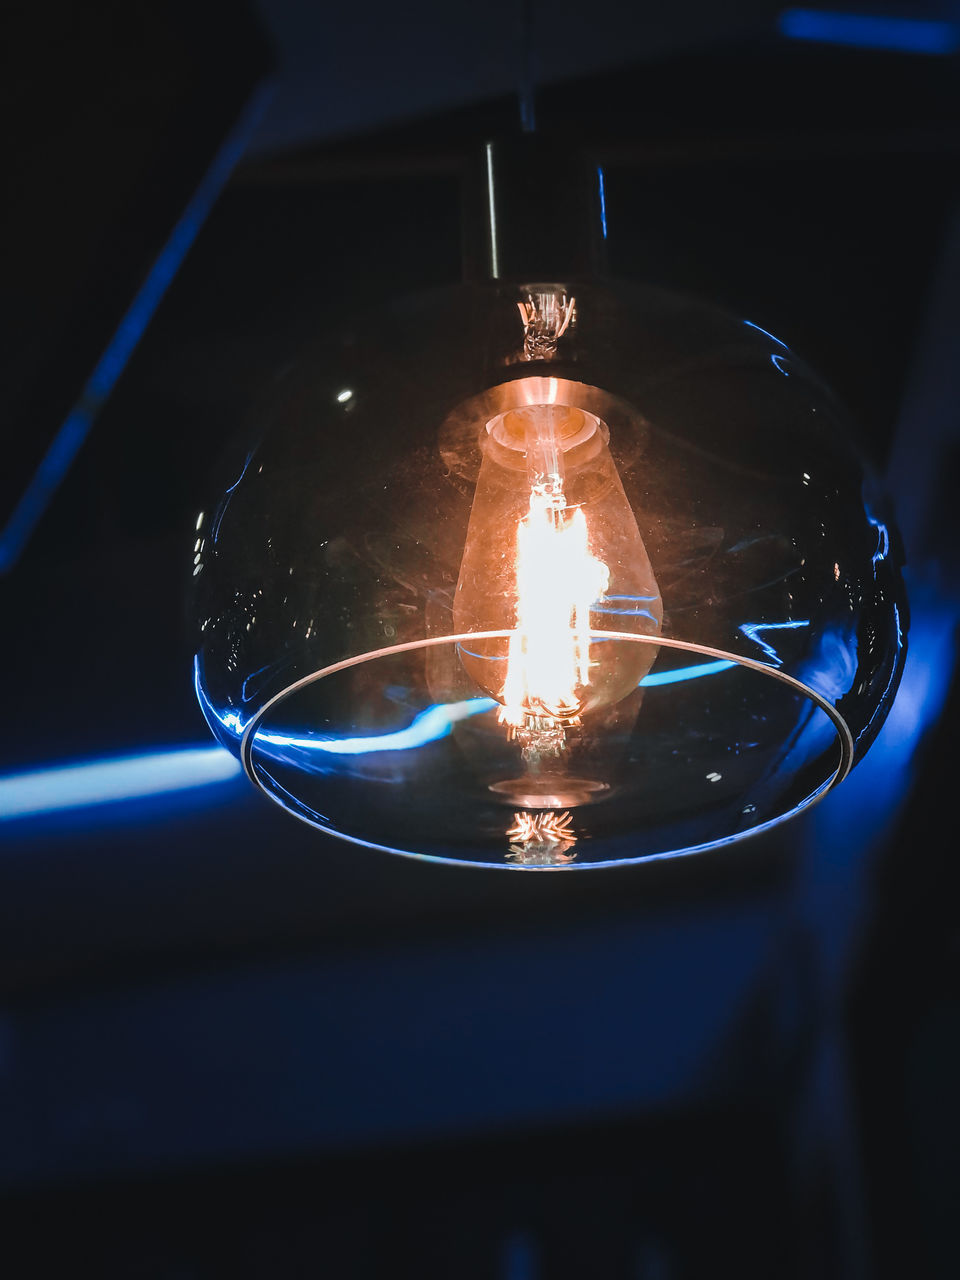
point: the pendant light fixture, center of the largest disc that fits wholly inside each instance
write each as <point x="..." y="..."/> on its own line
<point x="547" y="570"/>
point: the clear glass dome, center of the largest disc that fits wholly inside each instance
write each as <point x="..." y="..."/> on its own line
<point x="553" y="575"/>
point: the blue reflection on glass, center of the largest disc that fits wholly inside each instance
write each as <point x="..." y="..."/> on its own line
<point x="483" y="657"/>
<point x="777" y="362"/>
<point x="752" y="631"/>
<point x="603" y="201"/>
<point x="437" y="721"/>
<point x="870" y="31"/>
<point x="867" y="804"/>
<point x="883" y="539"/>
<point x="625" y="606"/>
<point x="894" y="672"/>
<point x="766" y="334"/>
<point x="229" y="720"/>
<point x="221" y="509"/>
<point x="831" y="666"/>
<point x="97" y="782"/>
<point x="681" y="674"/>
<point x="431" y="725"/>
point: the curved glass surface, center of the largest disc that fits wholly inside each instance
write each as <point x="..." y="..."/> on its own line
<point x="401" y="754"/>
<point x="511" y="565"/>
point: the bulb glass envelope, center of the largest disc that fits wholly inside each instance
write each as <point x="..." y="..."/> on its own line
<point x="740" y="625"/>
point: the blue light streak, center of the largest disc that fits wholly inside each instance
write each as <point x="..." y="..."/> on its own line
<point x="870" y="31"/>
<point x="682" y="674"/>
<point x="75" y="428"/>
<point x="766" y="334"/>
<point x="752" y="631"/>
<point x="221" y="509"/>
<point x="431" y="725"/>
<point x="99" y="782"/>
<point x="229" y="720"/>
<point x="437" y="722"/>
<point x="777" y="362"/>
<point x="603" y="201"/>
<point x="866" y="806"/>
<point x="624" y="606"/>
<point x="883" y="539"/>
<point x="882" y="703"/>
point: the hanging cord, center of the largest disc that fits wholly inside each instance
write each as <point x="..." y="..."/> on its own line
<point x="528" y="115"/>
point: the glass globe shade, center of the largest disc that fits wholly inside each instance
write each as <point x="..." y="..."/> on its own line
<point x="548" y="575"/>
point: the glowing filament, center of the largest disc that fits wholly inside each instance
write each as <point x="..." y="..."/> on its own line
<point x="558" y="581"/>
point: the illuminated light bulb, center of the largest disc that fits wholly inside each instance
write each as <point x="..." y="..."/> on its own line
<point x="548" y="662"/>
<point x="553" y="556"/>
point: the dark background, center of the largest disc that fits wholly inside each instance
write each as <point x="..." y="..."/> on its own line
<point x="230" y="1047"/>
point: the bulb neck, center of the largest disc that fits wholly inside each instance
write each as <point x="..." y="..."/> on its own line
<point x="534" y="210"/>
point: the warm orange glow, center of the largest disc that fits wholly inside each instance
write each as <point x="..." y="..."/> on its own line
<point x="552" y="552"/>
<point x="558" y="581"/>
<point x="543" y="838"/>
